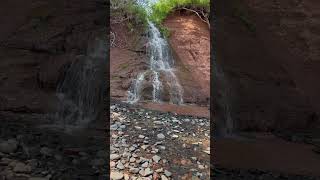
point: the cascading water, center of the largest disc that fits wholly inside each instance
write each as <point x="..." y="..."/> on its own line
<point x="134" y="91"/>
<point x="157" y="86"/>
<point x="81" y="91"/>
<point x="161" y="64"/>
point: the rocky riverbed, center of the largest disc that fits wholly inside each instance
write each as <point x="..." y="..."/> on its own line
<point x="149" y="144"/>
<point x="32" y="152"/>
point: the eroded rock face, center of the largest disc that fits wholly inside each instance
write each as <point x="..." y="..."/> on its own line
<point x="127" y="59"/>
<point x="270" y="64"/>
<point x="37" y="46"/>
<point x="190" y="42"/>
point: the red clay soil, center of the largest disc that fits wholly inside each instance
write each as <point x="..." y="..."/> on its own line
<point x="123" y="67"/>
<point x="125" y="60"/>
<point x="190" y="42"/>
<point x="191" y="110"/>
<point x="267" y="153"/>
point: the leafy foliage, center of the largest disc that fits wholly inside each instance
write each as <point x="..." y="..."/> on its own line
<point x="127" y="10"/>
<point x="163" y="8"/>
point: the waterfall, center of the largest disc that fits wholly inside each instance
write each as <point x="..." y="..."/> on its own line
<point x="134" y="91"/>
<point x="161" y="64"/>
<point x="224" y="123"/>
<point x="82" y="88"/>
<point x="157" y="86"/>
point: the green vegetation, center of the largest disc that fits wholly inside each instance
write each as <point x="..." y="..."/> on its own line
<point x="163" y="8"/>
<point x="138" y="13"/>
<point x="135" y="16"/>
<point x="129" y="11"/>
<point x="164" y="31"/>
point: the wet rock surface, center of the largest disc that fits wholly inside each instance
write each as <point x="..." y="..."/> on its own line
<point x="32" y="152"/>
<point x="148" y="144"/>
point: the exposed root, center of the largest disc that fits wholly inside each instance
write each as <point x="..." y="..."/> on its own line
<point x="204" y="16"/>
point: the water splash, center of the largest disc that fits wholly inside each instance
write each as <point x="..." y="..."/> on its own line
<point x="81" y="90"/>
<point x="134" y="92"/>
<point x="157" y="86"/>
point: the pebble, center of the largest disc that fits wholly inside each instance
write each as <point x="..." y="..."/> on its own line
<point x="144" y="147"/>
<point x="145" y="164"/>
<point x="156" y="158"/>
<point x="163" y="177"/>
<point x="132" y="159"/>
<point x="126" y="177"/>
<point x="145" y="172"/>
<point x="114" y="175"/>
<point x="159" y="170"/>
<point x="46" y="151"/>
<point x="112" y="164"/>
<point x="174" y="136"/>
<point x="114" y="156"/>
<point x="132" y="148"/>
<point x="114" y="127"/>
<point x="141" y="136"/>
<point x="160" y="136"/>
<point x="134" y="170"/>
<point x="134" y="155"/>
<point x="22" y="168"/>
<point x="167" y="173"/>
<point x="9" y="146"/>
<point x="120" y="166"/>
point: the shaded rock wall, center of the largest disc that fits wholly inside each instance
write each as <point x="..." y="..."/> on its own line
<point x="269" y="51"/>
<point x="37" y="42"/>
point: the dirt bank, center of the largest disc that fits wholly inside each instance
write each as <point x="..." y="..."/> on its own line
<point x="190" y="42"/>
<point x="127" y="58"/>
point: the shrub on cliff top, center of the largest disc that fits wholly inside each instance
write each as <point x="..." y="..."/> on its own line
<point x="163" y="8"/>
<point x="127" y="10"/>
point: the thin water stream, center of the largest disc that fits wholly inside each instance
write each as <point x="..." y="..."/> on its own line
<point x="81" y="90"/>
